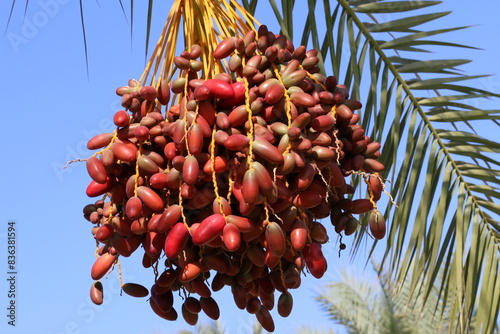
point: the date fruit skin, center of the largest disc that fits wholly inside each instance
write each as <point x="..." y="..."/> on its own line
<point x="102" y="265"/>
<point x="209" y="229"/>
<point x="176" y="240"/>
<point x="377" y="225"/>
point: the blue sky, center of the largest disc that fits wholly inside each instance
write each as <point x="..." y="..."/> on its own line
<point x="50" y="109"/>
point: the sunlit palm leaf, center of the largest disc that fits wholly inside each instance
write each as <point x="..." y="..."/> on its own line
<point x="213" y="327"/>
<point x="123" y="9"/>
<point x="351" y="303"/>
<point x="148" y="26"/>
<point x="463" y="115"/>
<point x="411" y="40"/>
<point x="403" y="25"/>
<point x="216" y="327"/>
<point x="82" y="19"/>
<point x="313" y="330"/>
<point x="10" y="14"/>
<point x="390" y="7"/>
<point x="250" y="5"/>
<point x="131" y="20"/>
<point x="431" y="66"/>
<point x="366" y="307"/>
<point x="446" y="216"/>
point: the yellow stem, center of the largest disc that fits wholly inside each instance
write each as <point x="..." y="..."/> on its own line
<point x="214" y="174"/>
<point x="184" y="220"/>
<point x="282" y="275"/>
<point x="120" y="274"/>
<point x="139" y="153"/>
<point x="370" y="192"/>
<point x="205" y="23"/>
<point x="250" y="121"/>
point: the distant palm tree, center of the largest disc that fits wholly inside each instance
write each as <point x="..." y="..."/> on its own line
<point x="216" y="327"/>
<point x="361" y="306"/>
<point x="366" y="307"/>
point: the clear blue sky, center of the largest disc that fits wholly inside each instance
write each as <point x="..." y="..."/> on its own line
<point x="49" y="111"/>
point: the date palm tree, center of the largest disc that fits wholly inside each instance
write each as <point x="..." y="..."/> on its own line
<point x="216" y="327"/>
<point x="444" y="176"/>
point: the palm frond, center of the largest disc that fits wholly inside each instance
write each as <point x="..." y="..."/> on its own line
<point x="411" y="309"/>
<point x="314" y="330"/>
<point x="351" y="303"/>
<point x="82" y="20"/>
<point x="216" y="327"/>
<point x="393" y="309"/>
<point x="148" y="27"/>
<point x="212" y="327"/>
<point x="439" y="162"/>
<point x="10" y="14"/>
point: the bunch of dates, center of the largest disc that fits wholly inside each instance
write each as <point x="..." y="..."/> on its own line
<point x="223" y="181"/>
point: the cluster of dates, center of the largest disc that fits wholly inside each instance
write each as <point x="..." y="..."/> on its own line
<point x="229" y="176"/>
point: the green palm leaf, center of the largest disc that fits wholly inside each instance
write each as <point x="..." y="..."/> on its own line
<point x="431" y="66"/>
<point x="368" y="307"/>
<point x="216" y="327"/>
<point x="213" y="327"/>
<point x="351" y="303"/>
<point x="446" y="211"/>
<point x="390" y="7"/>
<point x="403" y="25"/>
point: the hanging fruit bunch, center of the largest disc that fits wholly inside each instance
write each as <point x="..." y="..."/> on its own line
<point x="222" y="166"/>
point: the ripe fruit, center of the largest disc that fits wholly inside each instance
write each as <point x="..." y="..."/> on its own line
<point x="219" y="88"/>
<point x="99" y="141"/>
<point x="96" y="293"/>
<point x="275" y="239"/>
<point x="377" y="224"/>
<point x="315" y="261"/>
<point x="250" y="187"/>
<point x="102" y="265"/>
<point x="189" y="272"/>
<point x="124" y="150"/>
<point x="231" y="237"/>
<point x="228" y="166"/>
<point x="150" y="198"/>
<point x="210" y="307"/>
<point x="298" y="235"/>
<point x="96" y="170"/>
<point x="210" y="228"/>
<point x="285" y="304"/>
<point x="176" y="239"/>
<point x="133" y="207"/>
<point x="190" y="170"/>
<point x="135" y="290"/>
<point x="95" y="189"/>
<point x="361" y="205"/>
